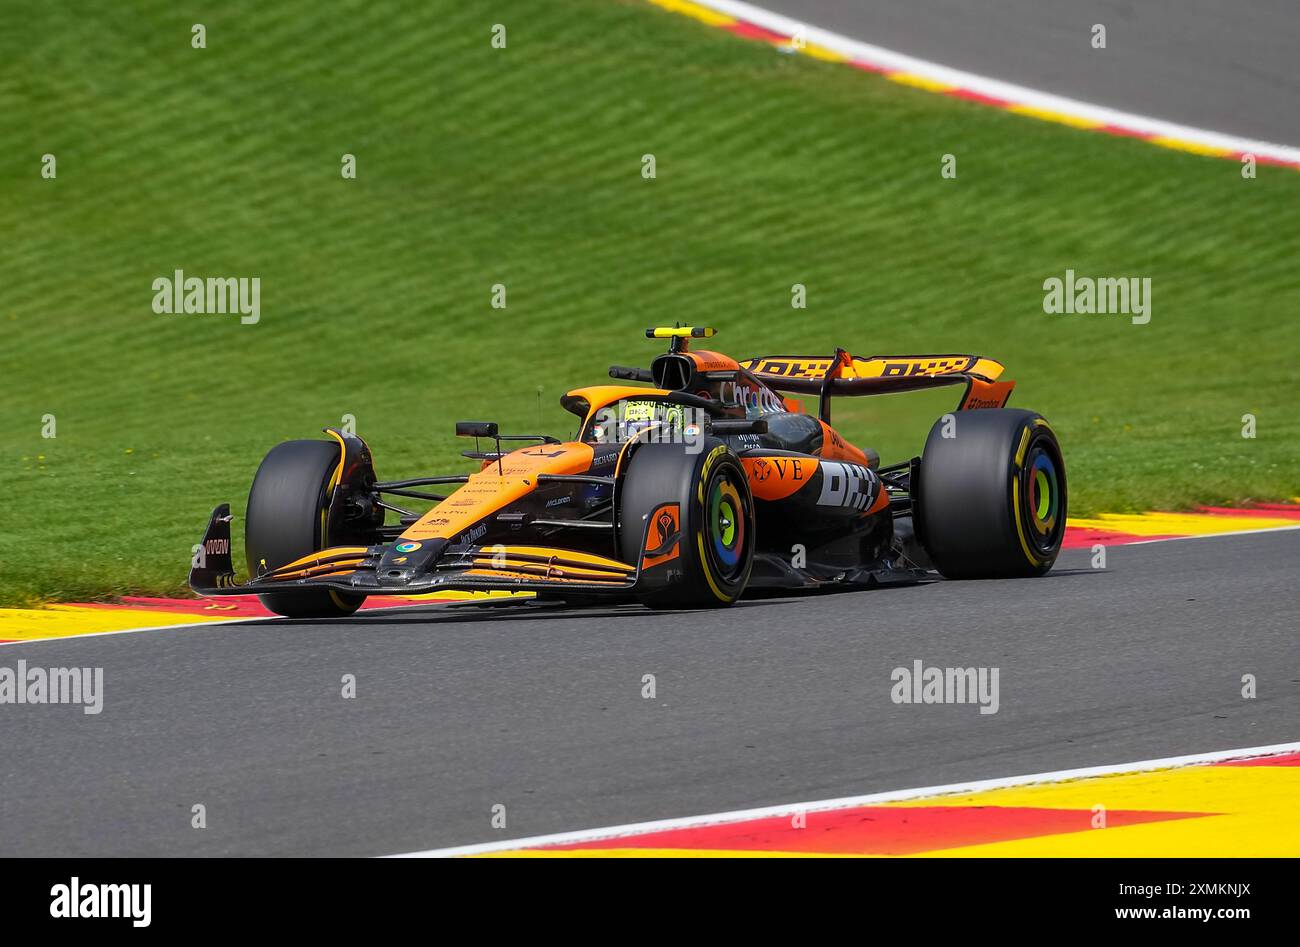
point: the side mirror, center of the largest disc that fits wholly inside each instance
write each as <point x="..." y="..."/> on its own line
<point x="476" y="429"/>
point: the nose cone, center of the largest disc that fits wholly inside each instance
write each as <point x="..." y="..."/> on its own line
<point x="407" y="560"/>
<point x="464" y="516"/>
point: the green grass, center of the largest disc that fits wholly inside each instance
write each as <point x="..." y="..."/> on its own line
<point x="522" y="166"/>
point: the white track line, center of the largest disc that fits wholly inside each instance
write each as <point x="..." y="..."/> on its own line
<point x="745" y="815"/>
<point x="996" y="88"/>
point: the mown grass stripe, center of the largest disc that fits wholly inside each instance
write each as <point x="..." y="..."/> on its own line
<point x="523" y="166"/>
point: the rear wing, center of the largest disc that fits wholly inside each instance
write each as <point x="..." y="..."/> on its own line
<point x="845" y="374"/>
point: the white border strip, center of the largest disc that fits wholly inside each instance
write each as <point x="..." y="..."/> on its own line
<point x="995" y="88"/>
<point x="745" y="815"/>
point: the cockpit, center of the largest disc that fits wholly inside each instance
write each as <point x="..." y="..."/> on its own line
<point x="656" y="417"/>
<point x="650" y="418"/>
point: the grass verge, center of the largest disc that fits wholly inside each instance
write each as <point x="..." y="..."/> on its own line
<point x="522" y="166"/>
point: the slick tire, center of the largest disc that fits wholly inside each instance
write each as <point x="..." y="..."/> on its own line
<point x="992" y="496"/>
<point x="287" y="509"/>
<point x="714" y="522"/>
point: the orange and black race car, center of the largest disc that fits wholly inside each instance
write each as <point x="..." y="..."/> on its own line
<point x="702" y="481"/>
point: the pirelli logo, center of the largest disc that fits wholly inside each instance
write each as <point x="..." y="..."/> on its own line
<point x="846" y="485"/>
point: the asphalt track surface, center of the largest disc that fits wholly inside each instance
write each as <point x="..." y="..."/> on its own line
<point x="1229" y="66"/>
<point x="771" y="702"/>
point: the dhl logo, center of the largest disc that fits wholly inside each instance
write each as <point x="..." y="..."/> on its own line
<point x="791" y="368"/>
<point x="911" y="367"/>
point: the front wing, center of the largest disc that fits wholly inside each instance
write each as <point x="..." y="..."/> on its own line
<point x="514" y="568"/>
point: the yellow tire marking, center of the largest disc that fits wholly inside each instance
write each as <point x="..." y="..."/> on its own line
<point x="1020" y="529"/>
<point x="708" y="575"/>
<point x="1024" y="444"/>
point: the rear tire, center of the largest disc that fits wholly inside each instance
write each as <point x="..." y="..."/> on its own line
<point x="286" y="520"/>
<point x="992" y="497"/>
<point x="716" y="520"/>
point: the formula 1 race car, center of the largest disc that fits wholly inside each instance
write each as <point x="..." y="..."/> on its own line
<point x="700" y="483"/>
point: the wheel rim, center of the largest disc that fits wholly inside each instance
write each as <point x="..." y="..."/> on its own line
<point x="727" y="526"/>
<point x="1043" y="493"/>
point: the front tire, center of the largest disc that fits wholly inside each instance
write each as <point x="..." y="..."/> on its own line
<point x="715" y="519"/>
<point x="286" y="520"/>
<point x="992" y="495"/>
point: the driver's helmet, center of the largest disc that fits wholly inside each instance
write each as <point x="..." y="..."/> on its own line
<point x="629" y="418"/>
